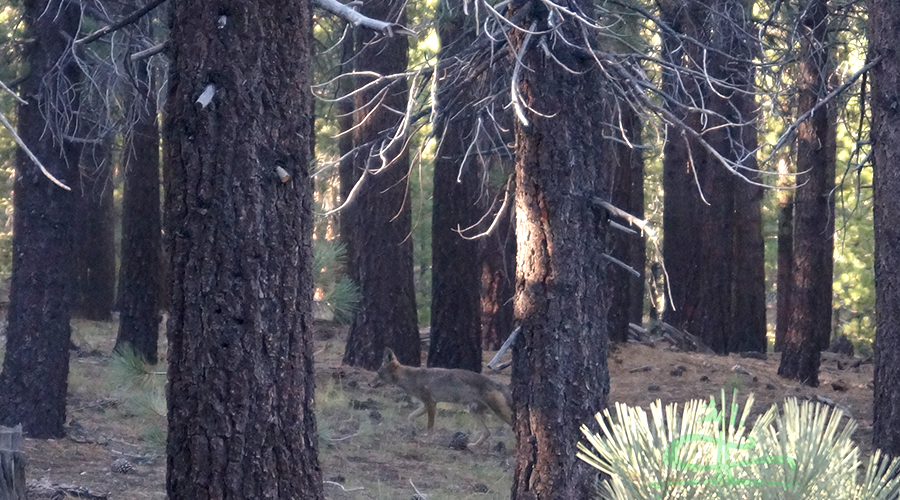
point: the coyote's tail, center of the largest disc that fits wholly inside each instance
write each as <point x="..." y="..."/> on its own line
<point x="498" y="401"/>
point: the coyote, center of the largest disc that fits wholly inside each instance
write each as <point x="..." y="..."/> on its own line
<point x="434" y="385"/>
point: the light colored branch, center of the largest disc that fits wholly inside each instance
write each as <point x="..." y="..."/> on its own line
<point x="620" y="227"/>
<point x="645" y="227"/>
<point x="355" y="18"/>
<point x="618" y="212"/>
<point x="4" y="87"/>
<point x="514" y="84"/>
<point x="152" y="51"/>
<point x="350" y="197"/>
<point x="621" y="264"/>
<point x="339" y="485"/>
<point x="494" y="223"/>
<point x="37" y="162"/>
<point x="505" y="347"/>
<point x="788" y="134"/>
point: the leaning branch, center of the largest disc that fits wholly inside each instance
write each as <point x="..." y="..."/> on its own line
<point x="4" y="87"/>
<point x="494" y="223"/>
<point x="788" y="134"/>
<point x="37" y="162"/>
<point x="355" y="18"/>
<point x="133" y="17"/>
<point x="152" y="51"/>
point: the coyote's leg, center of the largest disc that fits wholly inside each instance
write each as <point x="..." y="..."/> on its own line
<point x="427" y="406"/>
<point x="431" y="406"/>
<point x="478" y="413"/>
<point x="417" y="413"/>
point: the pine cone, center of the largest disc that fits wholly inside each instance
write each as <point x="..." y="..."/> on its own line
<point x="122" y="466"/>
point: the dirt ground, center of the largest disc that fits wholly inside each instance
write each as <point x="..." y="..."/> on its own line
<point x="368" y="450"/>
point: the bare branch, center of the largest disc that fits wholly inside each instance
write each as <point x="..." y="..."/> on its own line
<point x="346" y="12"/>
<point x="621" y="264"/>
<point x="152" y="51"/>
<point x="494" y="223"/>
<point x="3" y="85"/>
<point x="130" y="19"/>
<point x="620" y="227"/>
<point x="505" y="347"/>
<point x="514" y="85"/>
<point x="788" y="134"/>
<point x="37" y="162"/>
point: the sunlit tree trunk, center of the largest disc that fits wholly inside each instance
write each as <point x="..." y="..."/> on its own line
<point x="33" y="382"/>
<point x="240" y="375"/>
<point x="884" y="33"/>
<point x="381" y="253"/>
<point x="785" y="256"/>
<point x="560" y="377"/>
<point x="809" y="323"/>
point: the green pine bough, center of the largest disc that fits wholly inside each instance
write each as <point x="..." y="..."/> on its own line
<point x="706" y="451"/>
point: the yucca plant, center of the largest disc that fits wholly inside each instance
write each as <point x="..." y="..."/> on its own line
<point x="706" y="451"/>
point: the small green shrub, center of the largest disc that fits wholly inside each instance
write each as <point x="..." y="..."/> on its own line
<point x="706" y="452"/>
<point x="336" y="294"/>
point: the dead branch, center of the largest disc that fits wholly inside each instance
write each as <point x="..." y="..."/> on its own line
<point x="31" y="155"/>
<point x="16" y="96"/>
<point x="355" y="18"/>
<point x="130" y="19"/>
<point x="152" y="51"/>
<point x="620" y="227"/>
<point x="494" y="223"/>
<point x="339" y="485"/>
<point x="682" y="339"/>
<point x="621" y="264"/>
<point x="505" y="347"/>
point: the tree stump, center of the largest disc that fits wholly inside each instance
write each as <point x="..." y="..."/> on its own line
<point x="12" y="464"/>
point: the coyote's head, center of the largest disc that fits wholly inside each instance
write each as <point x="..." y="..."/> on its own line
<point x="387" y="374"/>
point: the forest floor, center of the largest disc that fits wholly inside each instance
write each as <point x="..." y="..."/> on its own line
<point x="368" y="450"/>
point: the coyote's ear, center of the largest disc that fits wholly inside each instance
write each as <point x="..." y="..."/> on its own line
<point x="389" y="355"/>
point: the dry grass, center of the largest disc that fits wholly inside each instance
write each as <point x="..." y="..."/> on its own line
<point x="365" y="440"/>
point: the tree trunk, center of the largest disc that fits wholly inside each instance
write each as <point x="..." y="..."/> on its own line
<point x="33" y="382"/>
<point x="240" y="388"/>
<point x="699" y="201"/>
<point x="381" y="252"/>
<point x="455" y="269"/>
<point x="498" y="283"/>
<point x="713" y="238"/>
<point x="627" y="191"/>
<point x="785" y="256"/>
<point x="347" y="174"/>
<point x="141" y="238"/>
<point x="560" y="378"/>
<point x="809" y="323"/>
<point x="95" y="256"/>
<point x="682" y="237"/>
<point x="748" y="283"/>
<point x="884" y="41"/>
